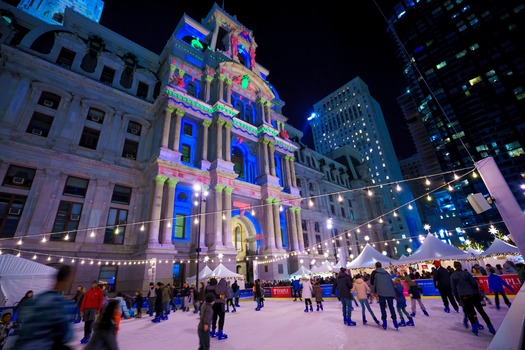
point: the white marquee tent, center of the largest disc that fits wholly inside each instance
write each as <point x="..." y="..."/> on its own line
<point x="433" y="248"/>
<point x="368" y="257"/>
<point x="473" y="252"/>
<point x="18" y="275"/>
<point x="204" y="274"/>
<point x="301" y="271"/>
<point x="222" y="271"/>
<point x="498" y="247"/>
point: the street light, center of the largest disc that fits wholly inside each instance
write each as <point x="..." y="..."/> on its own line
<point x="202" y="193"/>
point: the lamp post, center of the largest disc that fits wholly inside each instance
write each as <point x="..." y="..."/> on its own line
<point x="200" y="193"/>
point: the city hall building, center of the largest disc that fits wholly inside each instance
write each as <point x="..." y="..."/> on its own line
<point x="130" y="165"/>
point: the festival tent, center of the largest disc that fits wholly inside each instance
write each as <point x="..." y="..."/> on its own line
<point x="433" y="248"/>
<point x="18" y="275"/>
<point x="302" y="271"/>
<point x="222" y="271"/>
<point x="498" y="247"/>
<point x="325" y="268"/>
<point x="403" y="257"/>
<point x="473" y="252"/>
<point x="337" y="266"/>
<point x="368" y="257"/>
<point x="314" y="269"/>
<point x="204" y="274"/>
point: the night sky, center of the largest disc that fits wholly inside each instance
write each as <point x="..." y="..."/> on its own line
<point x="310" y="49"/>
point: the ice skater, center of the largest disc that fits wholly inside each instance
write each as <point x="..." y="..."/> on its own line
<point x="496" y="284"/>
<point x="343" y="283"/>
<point x="363" y="290"/>
<point x="442" y="284"/>
<point x="307" y="293"/>
<point x="414" y="290"/>
<point x="401" y="304"/>
<point x="318" y="294"/>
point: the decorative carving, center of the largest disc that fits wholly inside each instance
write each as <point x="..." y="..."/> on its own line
<point x="284" y="134"/>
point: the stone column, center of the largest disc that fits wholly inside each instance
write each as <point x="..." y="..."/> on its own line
<point x="166" y="130"/>
<point x="293" y="228"/>
<point x="228" y="150"/>
<point x="267" y="112"/>
<point x="227" y="240"/>
<point x="288" y="173"/>
<point x="268" y="220"/>
<point x="168" y="214"/>
<point x="265" y="156"/>
<point x="207" y="92"/>
<point x="271" y="147"/>
<point x="261" y="110"/>
<point x="299" y="228"/>
<point x="219" y="124"/>
<point x="179" y="113"/>
<point x="228" y="91"/>
<point x="221" y="87"/>
<point x="205" y="126"/>
<point x="156" y="210"/>
<point x="292" y="171"/>
<point x="277" y="224"/>
<point x="218" y="216"/>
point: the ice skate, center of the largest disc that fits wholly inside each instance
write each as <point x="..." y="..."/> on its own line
<point x="425" y="313"/>
<point x="410" y="322"/>
<point x="221" y="335"/>
<point x="402" y="323"/>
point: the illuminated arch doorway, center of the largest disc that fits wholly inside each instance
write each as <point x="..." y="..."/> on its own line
<point x="245" y="234"/>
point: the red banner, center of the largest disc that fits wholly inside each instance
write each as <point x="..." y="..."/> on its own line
<point x="281" y="292"/>
<point x="512" y="280"/>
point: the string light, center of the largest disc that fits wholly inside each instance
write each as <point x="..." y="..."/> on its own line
<point x="92" y="235"/>
<point x="142" y="228"/>
<point x="44" y="240"/>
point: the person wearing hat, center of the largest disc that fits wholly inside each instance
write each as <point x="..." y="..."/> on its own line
<point x="6" y="324"/>
<point x="442" y="284"/>
<point x="344" y="285"/>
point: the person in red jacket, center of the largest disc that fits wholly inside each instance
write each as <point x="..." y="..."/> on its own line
<point x="90" y="308"/>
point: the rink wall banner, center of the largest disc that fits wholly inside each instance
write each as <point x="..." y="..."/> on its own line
<point x="246" y="293"/>
<point x="281" y="292"/>
<point x="428" y="287"/>
<point x="327" y="290"/>
<point x="267" y="293"/>
<point x="511" y="279"/>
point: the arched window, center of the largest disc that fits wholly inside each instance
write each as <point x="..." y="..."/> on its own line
<point x="310" y="186"/>
<point x="278" y="170"/>
<point x="250" y="114"/>
<point x="238" y="162"/>
<point x="239" y="105"/>
<point x="191" y="89"/>
<point x="238" y="237"/>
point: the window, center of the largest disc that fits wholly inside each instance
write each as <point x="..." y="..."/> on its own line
<point x="319" y="245"/>
<point x="76" y="187"/>
<point x="19" y="177"/>
<point x="142" y="90"/>
<point x="108" y="75"/>
<point x="66" y="221"/>
<point x="316" y="227"/>
<point x="108" y="275"/>
<point x="191" y="89"/>
<point x="185" y="153"/>
<point x="114" y="233"/>
<point x="238" y="162"/>
<point x="49" y="100"/>
<point x="188" y="129"/>
<point x="280" y="268"/>
<point x="66" y="58"/>
<point x="238" y="236"/>
<point x="11" y="207"/>
<point x="89" y="138"/>
<point x="305" y="239"/>
<point x="130" y="150"/>
<point x="121" y="195"/>
<point x="134" y="128"/>
<point x="40" y="124"/>
<point x="180" y="226"/>
<point x="96" y="115"/>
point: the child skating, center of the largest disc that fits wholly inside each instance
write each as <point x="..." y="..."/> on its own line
<point x="307" y="293"/>
<point x="402" y="304"/>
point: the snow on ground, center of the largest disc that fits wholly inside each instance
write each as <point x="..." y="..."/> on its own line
<point x="282" y="324"/>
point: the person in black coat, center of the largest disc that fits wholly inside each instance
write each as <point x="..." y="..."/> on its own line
<point x="442" y="284"/>
<point x="159" y="307"/>
<point x="343" y="283"/>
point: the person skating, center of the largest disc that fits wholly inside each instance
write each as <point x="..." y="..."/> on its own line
<point x="219" y="289"/>
<point x="343" y="284"/>
<point x="159" y="306"/>
<point x="90" y="309"/>
<point x="307" y="293"/>
<point x="318" y="295"/>
<point x="151" y="299"/>
<point x="139" y="300"/>
<point x="496" y="284"/>
<point x="258" y="294"/>
<point x="105" y="330"/>
<point x="6" y="324"/>
<point x="401" y="304"/>
<point x="363" y="290"/>
<point x="297" y="289"/>
<point x="229" y="298"/>
<point x="236" y="292"/>
<point x="442" y="284"/>
<point x="465" y="288"/>
<point x="383" y="286"/>
<point x="414" y="291"/>
<point x="206" y="316"/>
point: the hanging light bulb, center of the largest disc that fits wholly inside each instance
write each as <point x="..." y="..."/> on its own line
<point x="44" y="239"/>
<point x="281" y="208"/>
<point x="395" y="214"/>
<point x="169" y="223"/>
<point x="311" y="203"/>
<point x="370" y="193"/>
<point x="66" y="237"/>
<point x="381" y="220"/>
<point x="116" y="230"/>
<point x="61" y="260"/>
<point x="91" y="262"/>
<point x="369" y="226"/>
<point x="34" y="257"/>
<point x="410" y="207"/>
<point x="456" y="177"/>
<point x="18" y="255"/>
<point x="19" y="242"/>
<point x="253" y="212"/>
<point x="196" y="221"/>
<point x="339" y="198"/>
<point x="474" y="174"/>
<point x="450" y="188"/>
<point x="429" y="198"/>
<point x="142" y="228"/>
<point x="92" y="235"/>
<point x="223" y="216"/>
<point x="358" y="230"/>
<point x="72" y="261"/>
<point x="48" y="258"/>
<point x="82" y="262"/>
<point x="427" y="182"/>
<point x="398" y="188"/>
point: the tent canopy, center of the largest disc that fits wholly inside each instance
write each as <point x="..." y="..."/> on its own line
<point x="203" y="274"/>
<point x="18" y="275"/>
<point x="403" y="257"/>
<point x="337" y="266"/>
<point x="433" y="248"/>
<point x="301" y="271"/>
<point x="326" y="267"/>
<point x="473" y="252"/>
<point x="222" y="271"/>
<point x="368" y="257"/>
<point x="498" y="247"/>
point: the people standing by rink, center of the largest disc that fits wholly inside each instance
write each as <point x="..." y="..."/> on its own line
<point x="105" y="329"/>
<point x="465" y="288"/>
<point x="307" y="293"/>
<point x="343" y="284"/>
<point x="363" y="290"/>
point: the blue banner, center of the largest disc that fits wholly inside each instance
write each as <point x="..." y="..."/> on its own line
<point x="428" y="287"/>
<point x="327" y="290"/>
<point x="246" y="293"/>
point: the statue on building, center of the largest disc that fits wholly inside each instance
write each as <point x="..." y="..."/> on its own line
<point x="252" y="56"/>
<point x="234" y="41"/>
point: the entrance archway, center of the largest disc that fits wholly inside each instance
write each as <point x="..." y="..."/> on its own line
<point x="245" y="230"/>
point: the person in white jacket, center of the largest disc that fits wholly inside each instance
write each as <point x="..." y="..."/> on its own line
<point x="307" y="293"/>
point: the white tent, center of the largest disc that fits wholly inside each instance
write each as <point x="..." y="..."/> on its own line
<point x="433" y="248"/>
<point x="314" y="269"/>
<point x="473" y="252"/>
<point x="368" y="257"/>
<point x="18" y="275"/>
<point x="302" y="271"/>
<point x="338" y="265"/>
<point x="325" y="268"/>
<point x="498" y="247"/>
<point x="403" y="257"/>
<point x="205" y="273"/>
<point x="222" y="271"/>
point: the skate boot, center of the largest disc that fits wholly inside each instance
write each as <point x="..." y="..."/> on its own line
<point x="425" y="313"/>
<point x="475" y="328"/>
<point x="498" y="307"/>
<point x="491" y="329"/>
<point x="227" y="310"/>
<point x="156" y="320"/>
<point x="306" y="309"/>
<point x="456" y="309"/>
<point x="384" y="325"/>
<point x="412" y="314"/>
<point x="351" y="323"/>
<point x="317" y="308"/>
<point x="396" y="325"/>
<point x="410" y="322"/>
<point x="213" y="334"/>
<point x="402" y="323"/>
<point x="364" y="320"/>
<point x="311" y="308"/>
<point x="447" y="310"/>
<point x="321" y="307"/>
<point x="234" y="310"/>
<point x="465" y="322"/>
<point x="84" y="340"/>
<point x="257" y="309"/>
<point x="221" y="335"/>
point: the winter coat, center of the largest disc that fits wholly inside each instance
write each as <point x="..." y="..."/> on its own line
<point x="165" y="295"/>
<point x="441" y="278"/>
<point x="206" y="315"/>
<point x="123" y="307"/>
<point x="258" y="290"/>
<point x="496" y="283"/>
<point x="344" y="284"/>
<point x="235" y="288"/>
<point x="229" y="293"/>
<point x="463" y="284"/>
<point x="361" y="288"/>
<point x="400" y="296"/>
<point x="383" y="284"/>
<point x="103" y="339"/>
<point x="318" y="293"/>
<point x="92" y="299"/>
<point x="139" y="301"/>
<point x="296" y="285"/>
<point x="307" y="288"/>
<point x="219" y="289"/>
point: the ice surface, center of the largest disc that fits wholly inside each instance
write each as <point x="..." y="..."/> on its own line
<point x="282" y="324"/>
